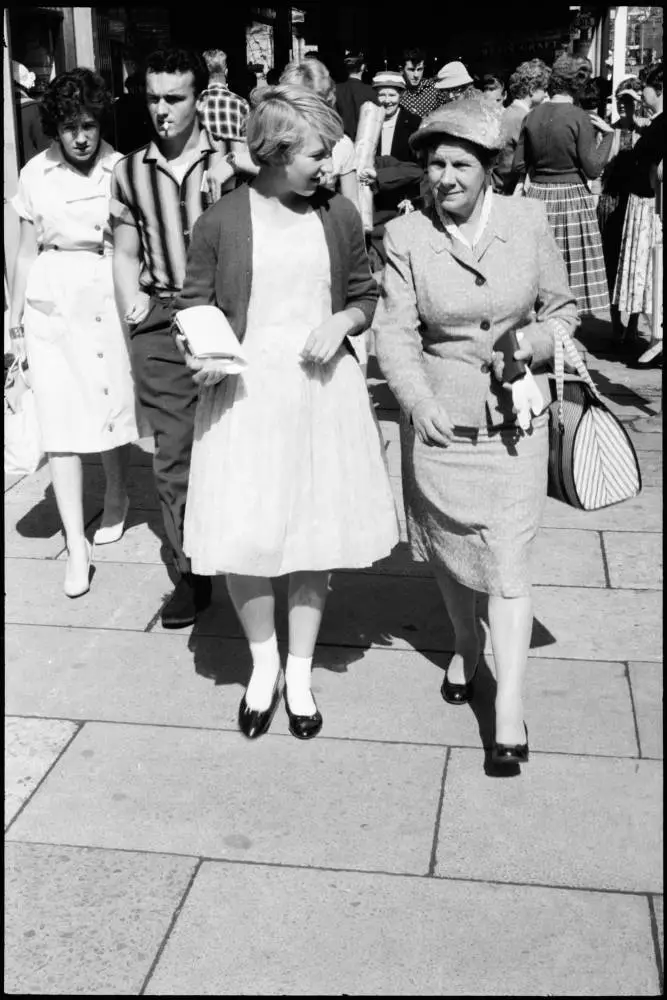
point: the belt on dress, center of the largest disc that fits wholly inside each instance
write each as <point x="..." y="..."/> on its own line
<point x="93" y="248"/>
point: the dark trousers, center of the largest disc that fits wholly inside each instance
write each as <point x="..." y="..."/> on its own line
<point x="169" y="397"/>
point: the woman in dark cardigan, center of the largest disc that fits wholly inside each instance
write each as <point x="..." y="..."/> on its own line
<point x="558" y="150"/>
<point x="287" y="473"/>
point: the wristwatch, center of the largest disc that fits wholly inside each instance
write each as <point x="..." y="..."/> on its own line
<point x="16" y="332"/>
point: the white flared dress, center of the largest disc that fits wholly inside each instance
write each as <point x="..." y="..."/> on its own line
<point x="77" y="353"/>
<point x="287" y="470"/>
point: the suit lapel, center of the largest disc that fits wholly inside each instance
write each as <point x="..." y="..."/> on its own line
<point x="496" y="228"/>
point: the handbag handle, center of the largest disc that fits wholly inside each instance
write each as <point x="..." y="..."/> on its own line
<point x="564" y="345"/>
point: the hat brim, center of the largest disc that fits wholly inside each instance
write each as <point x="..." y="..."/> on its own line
<point x="443" y="85"/>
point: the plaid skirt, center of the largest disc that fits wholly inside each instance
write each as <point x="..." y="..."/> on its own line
<point x="573" y="219"/>
<point x="633" y="291"/>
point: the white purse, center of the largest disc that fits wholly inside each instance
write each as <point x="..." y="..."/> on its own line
<point x="205" y="333"/>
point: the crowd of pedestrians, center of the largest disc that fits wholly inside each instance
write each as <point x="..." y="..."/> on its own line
<point x="485" y="223"/>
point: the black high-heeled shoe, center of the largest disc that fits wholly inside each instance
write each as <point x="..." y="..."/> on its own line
<point x="457" y="694"/>
<point x="304" y="727"/>
<point x="503" y="753"/>
<point x="254" y="723"/>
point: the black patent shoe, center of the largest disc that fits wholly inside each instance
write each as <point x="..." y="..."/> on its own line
<point x="457" y="694"/>
<point x="304" y="727"/>
<point x="254" y="723"/>
<point x="503" y="753"/>
<point x="191" y="594"/>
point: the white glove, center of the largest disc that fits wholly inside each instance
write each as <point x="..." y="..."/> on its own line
<point x="527" y="399"/>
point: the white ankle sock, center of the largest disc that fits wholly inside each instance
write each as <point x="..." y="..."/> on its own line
<point x="297" y="678"/>
<point x="265" y="668"/>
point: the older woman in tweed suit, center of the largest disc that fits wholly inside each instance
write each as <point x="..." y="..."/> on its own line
<point x="467" y="268"/>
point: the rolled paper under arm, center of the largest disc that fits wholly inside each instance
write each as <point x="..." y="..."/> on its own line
<point x="369" y="130"/>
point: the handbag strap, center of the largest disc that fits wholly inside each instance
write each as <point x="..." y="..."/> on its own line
<point x="564" y="346"/>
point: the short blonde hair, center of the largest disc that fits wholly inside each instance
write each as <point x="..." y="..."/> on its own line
<point x="313" y="75"/>
<point x="279" y="118"/>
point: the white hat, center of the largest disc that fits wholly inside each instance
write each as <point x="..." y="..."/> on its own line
<point x="453" y="74"/>
<point x="388" y="78"/>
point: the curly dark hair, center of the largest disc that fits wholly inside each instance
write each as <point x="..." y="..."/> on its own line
<point x="179" y="61"/>
<point x="414" y="55"/>
<point x="654" y="78"/>
<point x="71" y="94"/>
<point x="565" y="77"/>
<point x="590" y="95"/>
<point x="528" y="77"/>
<point x="490" y="82"/>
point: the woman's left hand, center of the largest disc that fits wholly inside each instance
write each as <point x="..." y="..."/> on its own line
<point x="525" y="354"/>
<point x="325" y="340"/>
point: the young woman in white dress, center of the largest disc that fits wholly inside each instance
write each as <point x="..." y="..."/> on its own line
<point x="63" y="312"/>
<point x="287" y="473"/>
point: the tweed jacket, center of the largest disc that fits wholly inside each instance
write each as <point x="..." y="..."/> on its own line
<point x="443" y="306"/>
<point x="219" y="265"/>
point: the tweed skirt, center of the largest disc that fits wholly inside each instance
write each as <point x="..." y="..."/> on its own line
<point x="474" y="508"/>
<point x="633" y="291"/>
<point x="572" y="215"/>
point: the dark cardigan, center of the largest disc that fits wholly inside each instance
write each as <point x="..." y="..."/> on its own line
<point x="219" y="268"/>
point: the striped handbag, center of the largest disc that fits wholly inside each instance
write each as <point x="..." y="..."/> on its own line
<point x="592" y="462"/>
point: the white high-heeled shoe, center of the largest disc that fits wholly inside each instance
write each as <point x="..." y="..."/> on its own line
<point x="77" y="581"/>
<point x="112" y="532"/>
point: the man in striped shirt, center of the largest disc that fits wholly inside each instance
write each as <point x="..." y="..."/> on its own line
<point x="158" y="193"/>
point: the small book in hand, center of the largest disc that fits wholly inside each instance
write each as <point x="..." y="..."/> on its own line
<point x="205" y="332"/>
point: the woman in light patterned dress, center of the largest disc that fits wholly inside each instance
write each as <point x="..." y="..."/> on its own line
<point x="63" y="300"/>
<point x="287" y="475"/>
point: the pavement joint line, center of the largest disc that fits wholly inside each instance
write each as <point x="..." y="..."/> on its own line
<point x="86" y="525"/>
<point x="79" y="726"/>
<point x="334" y="739"/>
<point x="176" y="633"/>
<point x="210" y="859"/>
<point x="438" y="816"/>
<point x="655" y="933"/>
<point x="634" y="709"/>
<point x="605" y="562"/>
<point x="172" y="923"/>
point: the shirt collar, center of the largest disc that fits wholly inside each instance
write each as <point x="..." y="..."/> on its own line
<point x="204" y="145"/>
<point x="454" y="230"/>
<point x="54" y="157"/>
<point x="520" y="103"/>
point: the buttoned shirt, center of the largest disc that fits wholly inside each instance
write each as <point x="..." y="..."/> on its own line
<point x="422" y="99"/>
<point x="69" y="210"/>
<point x="145" y="193"/>
<point x="223" y="114"/>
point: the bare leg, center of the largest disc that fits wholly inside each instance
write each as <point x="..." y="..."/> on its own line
<point x="67" y="479"/>
<point x="307" y="598"/>
<point x="510" y="623"/>
<point x="460" y="603"/>
<point x="254" y="603"/>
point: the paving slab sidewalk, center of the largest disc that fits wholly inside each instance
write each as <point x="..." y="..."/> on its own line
<point x="151" y="850"/>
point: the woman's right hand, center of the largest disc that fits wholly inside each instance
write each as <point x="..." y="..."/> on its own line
<point x="139" y="309"/>
<point x="431" y="423"/>
<point x="367" y="175"/>
<point x="17" y="344"/>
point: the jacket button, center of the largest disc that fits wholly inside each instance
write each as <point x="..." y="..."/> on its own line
<point x="479" y="280"/>
<point x="484" y="367"/>
<point x="485" y="325"/>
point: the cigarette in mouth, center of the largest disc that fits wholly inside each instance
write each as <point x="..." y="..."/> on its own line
<point x="165" y="128"/>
